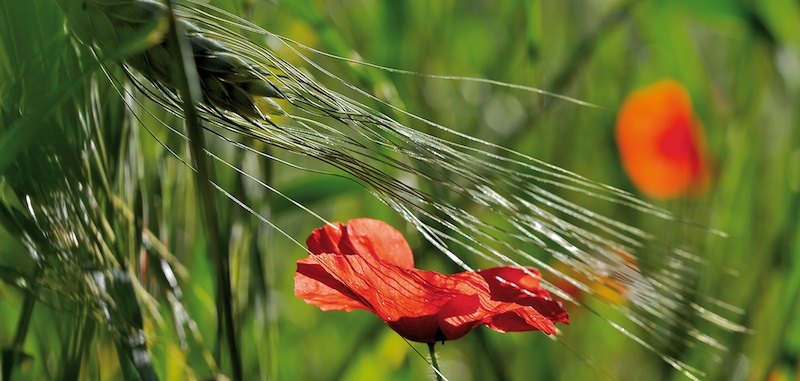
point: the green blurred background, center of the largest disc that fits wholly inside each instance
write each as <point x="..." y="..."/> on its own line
<point x="740" y="60"/>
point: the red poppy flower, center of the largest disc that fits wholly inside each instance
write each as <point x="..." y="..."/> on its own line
<point x="367" y="264"/>
<point x="661" y="142"/>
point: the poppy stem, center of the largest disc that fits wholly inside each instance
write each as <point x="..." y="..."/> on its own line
<point x="434" y="362"/>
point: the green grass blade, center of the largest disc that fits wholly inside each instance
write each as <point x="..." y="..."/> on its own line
<point x="189" y="85"/>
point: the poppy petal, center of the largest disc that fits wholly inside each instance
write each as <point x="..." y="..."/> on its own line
<point x="315" y="284"/>
<point x="512" y="284"/>
<point x="459" y="315"/>
<point x="367" y="236"/>
<point x="326" y="239"/>
<point x="363" y="236"/>
<point x="397" y="295"/>
<point x="521" y="320"/>
<point x="464" y="312"/>
<point x="420" y="305"/>
<point x="509" y="283"/>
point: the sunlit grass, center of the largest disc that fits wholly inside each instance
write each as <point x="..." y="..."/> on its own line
<point x="736" y="62"/>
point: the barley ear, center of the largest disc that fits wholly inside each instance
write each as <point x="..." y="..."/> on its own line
<point x="228" y="82"/>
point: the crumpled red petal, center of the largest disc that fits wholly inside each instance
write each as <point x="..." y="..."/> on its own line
<point x="363" y="236"/>
<point x="314" y="282"/>
<point x="513" y="284"/>
<point x="420" y="305"/>
<point x="326" y="239"/>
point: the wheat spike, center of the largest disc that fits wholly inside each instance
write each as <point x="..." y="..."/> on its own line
<point x="227" y="81"/>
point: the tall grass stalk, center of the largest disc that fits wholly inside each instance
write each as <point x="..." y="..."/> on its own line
<point x="188" y="82"/>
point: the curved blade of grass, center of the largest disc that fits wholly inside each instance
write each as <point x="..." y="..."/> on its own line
<point x="13" y="353"/>
<point x="132" y="342"/>
<point x="189" y="85"/>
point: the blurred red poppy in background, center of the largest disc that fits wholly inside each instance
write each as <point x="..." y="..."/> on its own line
<point x="367" y="264"/>
<point x="606" y="288"/>
<point x="661" y="142"/>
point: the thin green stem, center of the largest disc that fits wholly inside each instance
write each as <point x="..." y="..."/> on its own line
<point x="434" y="362"/>
<point x="495" y="362"/>
<point x="10" y="356"/>
<point x="189" y="84"/>
<point x="77" y="344"/>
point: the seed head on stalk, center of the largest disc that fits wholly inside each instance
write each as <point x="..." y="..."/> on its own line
<point x="228" y="82"/>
